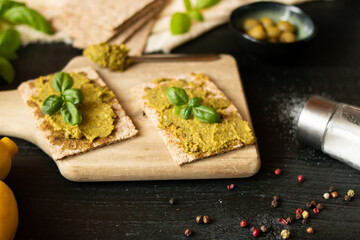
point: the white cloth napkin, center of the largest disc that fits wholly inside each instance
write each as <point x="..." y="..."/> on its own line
<point x="161" y="38"/>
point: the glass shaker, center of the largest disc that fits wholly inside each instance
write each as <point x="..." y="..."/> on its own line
<point x="332" y="127"/>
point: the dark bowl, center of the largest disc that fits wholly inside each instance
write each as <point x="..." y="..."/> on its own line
<point x="305" y="28"/>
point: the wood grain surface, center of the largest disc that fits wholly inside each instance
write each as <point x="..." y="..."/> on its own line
<point x="52" y="207"/>
<point x="144" y="157"/>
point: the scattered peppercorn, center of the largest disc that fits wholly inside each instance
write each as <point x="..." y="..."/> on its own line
<point x="199" y="219"/>
<point x="230" y="187"/>
<point x="256" y="232"/>
<point x="326" y="195"/>
<point x="305" y="221"/>
<point x="313" y="203"/>
<point x="172" y="201"/>
<point x="252" y="229"/>
<point x="310" y="230"/>
<point x="278" y="171"/>
<point x="300" y="178"/>
<point x="320" y="206"/>
<point x="206" y="219"/>
<point x="282" y="221"/>
<point x="299" y="210"/>
<point x="334" y="194"/>
<point x="243" y="223"/>
<point x="285" y="234"/>
<point x="305" y="214"/>
<point x="264" y="229"/>
<point x="351" y="193"/>
<point x="347" y="198"/>
<point x="274" y="203"/>
<point x="298" y="216"/>
<point x="308" y="205"/>
<point x="276" y="198"/>
<point x="289" y="219"/>
<point x="187" y="232"/>
<point x="331" y="189"/>
<point x="316" y="210"/>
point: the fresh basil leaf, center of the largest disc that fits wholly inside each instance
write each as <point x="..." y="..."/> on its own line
<point x="71" y="114"/>
<point x="196" y="15"/>
<point x="52" y="104"/>
<point x="206" y="114"/>
<point x="6" y="70"/>
<point x="186" y="112"/>
<point x="6" y="53"/>
<point x="10" y="39"/>
<point x="177" y="96"/>
<point x="195" y="102"/>
<point x="6" y="5"/>
<point x="180" y="23"/>
<point x="202" y="4"/>
<point x="187" y="4"/>
<point x="24" y="15"/>
<point x="177" y="110"/>
<point x="73" y="95"/>
<point x="62" y="81"/>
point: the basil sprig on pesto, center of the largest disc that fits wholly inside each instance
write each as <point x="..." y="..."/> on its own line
<point x="186" y="108"/>
<point x="62" y="82"/>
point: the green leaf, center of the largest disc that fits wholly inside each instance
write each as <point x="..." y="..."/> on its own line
<point x="187" y="4"/>
<point x="6" y="53"/>
<point x="186" y="112"/>
<point x="73" y="95"/>
<point x="52" y="104"/>
<point x="196" y="14"/>
<point x="71" y="114"/>
<point x="62" y="81"/>
<point x="206" y="114"/>
<point x="6" y="70"/>
<point x="177" y="96"/>
<point x="180" y="23"/>
<point x="24" y="15"/>
<point x="202" y="4"/>
<point x="177" y="110"/>
<point x="6" y="5"/>
<point x="195" y="102"/>
<point x="10" y="39"/>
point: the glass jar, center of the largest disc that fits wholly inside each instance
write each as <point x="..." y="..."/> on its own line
<point x="332" y="127"/>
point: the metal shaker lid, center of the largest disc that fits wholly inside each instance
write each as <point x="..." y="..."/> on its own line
<point x="314" y="119"/>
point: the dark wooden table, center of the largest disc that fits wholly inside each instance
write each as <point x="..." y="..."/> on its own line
<point x="52" y="207"/>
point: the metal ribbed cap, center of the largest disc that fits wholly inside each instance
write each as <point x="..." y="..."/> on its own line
<point x="314" y="119"/>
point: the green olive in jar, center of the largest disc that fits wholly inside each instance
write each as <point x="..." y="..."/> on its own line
<point x="285" y="26"/>
<point x="257" y="32"/>
<point x="250" y="23"/>
<point x="287" y="37"/>
<point x="266" y="21"/>
<point x="272" y="31"/>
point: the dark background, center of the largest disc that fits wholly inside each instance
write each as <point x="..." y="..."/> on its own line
<point x="52" y="207"/>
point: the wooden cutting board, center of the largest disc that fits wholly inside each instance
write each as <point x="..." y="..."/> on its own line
<point x="144" y="157"/>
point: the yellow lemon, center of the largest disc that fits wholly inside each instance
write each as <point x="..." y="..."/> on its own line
<point x="9" y="216"/>
<point x="7" y="150"/>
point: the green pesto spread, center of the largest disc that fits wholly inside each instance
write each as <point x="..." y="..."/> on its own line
<point x="114" y="57"/>
<point x="197" y="137"/>
<point x="97" y="114"/>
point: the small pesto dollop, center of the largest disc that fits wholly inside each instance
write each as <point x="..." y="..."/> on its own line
<point x="114" y="57"/>
<point x="197" y="137"/>
<point x="97" y="114"/>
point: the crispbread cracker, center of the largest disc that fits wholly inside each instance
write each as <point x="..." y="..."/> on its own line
<point x="61" y="147"/>
<point x="171" y="141"/>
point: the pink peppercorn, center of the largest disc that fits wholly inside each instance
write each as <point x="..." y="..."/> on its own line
<point x="278" y="171"/>
<point x="230" y="187"/>
<point x="256" y="232"/>
<point x="243" y="223"/>
<point x="298" y="211"/>
<point x="300" y="178"/>
<point x="316" y="210"/>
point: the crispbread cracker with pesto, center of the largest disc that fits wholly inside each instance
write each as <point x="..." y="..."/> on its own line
<point x="179" y="143"/>
<point x="60" y="146"/>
